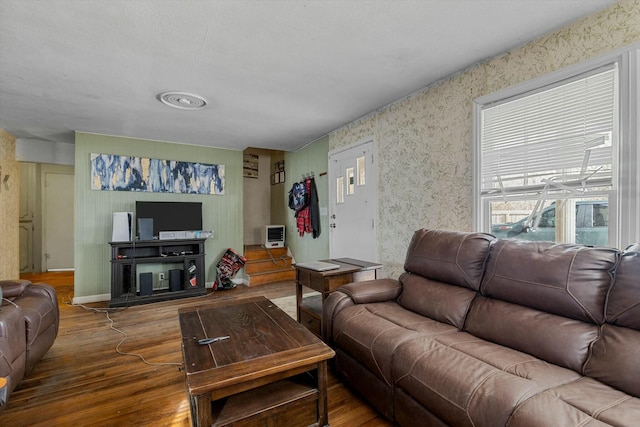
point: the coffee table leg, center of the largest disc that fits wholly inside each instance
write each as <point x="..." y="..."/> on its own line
<point x="323" y="417"/>
<point x="201" y="410"/>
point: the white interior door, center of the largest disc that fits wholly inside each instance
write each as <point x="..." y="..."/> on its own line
<point x="353" y="205"/>
<point x="57" y="195"/>
<point x="27" y="216"/>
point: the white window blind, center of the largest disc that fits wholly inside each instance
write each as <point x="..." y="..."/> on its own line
<point x="556" y="139"/>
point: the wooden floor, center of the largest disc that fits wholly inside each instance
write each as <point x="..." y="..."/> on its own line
<point x="82" y="381"/>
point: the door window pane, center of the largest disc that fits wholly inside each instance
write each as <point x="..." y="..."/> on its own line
<point x="360" y="164"/>
<point x="351" y="187"/>
<point x="340" y="189"/>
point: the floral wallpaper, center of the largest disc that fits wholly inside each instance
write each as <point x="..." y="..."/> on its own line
<point x="424" y="143"/>
<point x="9" y="206"/>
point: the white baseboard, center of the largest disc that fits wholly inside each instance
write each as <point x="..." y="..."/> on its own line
<point x="91" y="298"/>
<point x="107" y="297"/>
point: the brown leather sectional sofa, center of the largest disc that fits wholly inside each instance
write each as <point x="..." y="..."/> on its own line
<point x="481" y="331"/>
<point x="29" y="321"/>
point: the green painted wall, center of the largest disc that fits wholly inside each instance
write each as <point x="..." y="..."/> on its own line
<point x="94" y="209"/>
<point x="313" y="158"/>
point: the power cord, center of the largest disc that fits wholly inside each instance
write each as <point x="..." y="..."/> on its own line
<point x="275" y="260"/>
<point x="124" y="335"/>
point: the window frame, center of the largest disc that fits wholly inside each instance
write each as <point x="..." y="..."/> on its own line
<point x="624" y="197"/>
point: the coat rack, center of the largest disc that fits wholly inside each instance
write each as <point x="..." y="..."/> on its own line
<point x="311" y="175"/>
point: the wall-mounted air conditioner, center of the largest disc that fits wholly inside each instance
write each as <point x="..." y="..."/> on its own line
<point x="273" y="236"/>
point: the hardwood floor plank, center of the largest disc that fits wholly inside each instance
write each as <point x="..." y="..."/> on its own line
<point x="82" y="381"/>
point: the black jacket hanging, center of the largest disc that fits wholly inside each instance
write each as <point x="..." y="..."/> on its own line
<point x="314" y="208"/>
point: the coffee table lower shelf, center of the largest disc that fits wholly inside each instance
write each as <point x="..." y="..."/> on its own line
<point x="289" y="402"/>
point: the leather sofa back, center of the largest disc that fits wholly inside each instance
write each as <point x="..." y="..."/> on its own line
<point x="615" y="355"/>
<point x="544" y="299"/>
<point x="452" y="257"/>
<point x="623" y="307"/>
<point x="563" y="279"/>
<point x="435" y="261"/>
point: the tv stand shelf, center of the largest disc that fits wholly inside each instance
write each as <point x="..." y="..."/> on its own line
<point x="127" y="256"/>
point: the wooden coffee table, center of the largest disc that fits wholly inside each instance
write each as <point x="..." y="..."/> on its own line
<point x="271" y="370"/>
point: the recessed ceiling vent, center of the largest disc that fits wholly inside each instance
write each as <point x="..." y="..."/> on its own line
<point x="182" y="100"/>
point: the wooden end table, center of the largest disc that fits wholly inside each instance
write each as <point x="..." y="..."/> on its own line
<point x="309" y="309"/>
<point x="271" y="370"/>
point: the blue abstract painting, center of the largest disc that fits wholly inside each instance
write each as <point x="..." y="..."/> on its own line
<point x="113" y="172"/>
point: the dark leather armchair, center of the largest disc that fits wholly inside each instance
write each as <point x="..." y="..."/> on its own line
<point x="29" y="321"/>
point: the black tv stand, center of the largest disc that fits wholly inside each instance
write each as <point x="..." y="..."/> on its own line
<point x="128" y="257"/>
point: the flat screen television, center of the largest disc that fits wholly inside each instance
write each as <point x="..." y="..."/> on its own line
<point x="171" y="216"/>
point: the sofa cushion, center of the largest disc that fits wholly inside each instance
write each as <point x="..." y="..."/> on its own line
<point x="616" y="355"/>
<point x="564" y="342"/>
<point x="439" y="301"/>
<point x="585" y="402"/>
<point x="370" y="333"/>
<point x="616" y="359"/>
<point x="451" y="257"/>
<point x="466" y="381"/>
<point x="563" y="279"/>
<point x="623" y="306"/>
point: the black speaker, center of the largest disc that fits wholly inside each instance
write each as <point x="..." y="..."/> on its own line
<point x="145" y="228"/>
<point x="175" y="280"/>
<point x="146" y="284"/>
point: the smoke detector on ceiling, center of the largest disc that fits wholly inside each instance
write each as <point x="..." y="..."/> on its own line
<point x="182" y="100"/>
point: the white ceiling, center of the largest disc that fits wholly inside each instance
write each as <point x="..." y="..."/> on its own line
<point x="275" y="74"/>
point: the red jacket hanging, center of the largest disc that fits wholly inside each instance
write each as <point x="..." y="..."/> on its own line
<point x="306" y="206"/>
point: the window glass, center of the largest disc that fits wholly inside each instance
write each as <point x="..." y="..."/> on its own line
<point x="530" y="220"/>
<point x="360" y="164"/>
<point x="550" y="148"/>
<point x="340" y="189"/>
<point x="351" y="187"/>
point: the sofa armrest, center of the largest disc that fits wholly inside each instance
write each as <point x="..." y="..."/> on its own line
<point x="13" y="288"/>
<point x="369" y="291"/>
<point x="13" y="345"/>
<point x="365" y="292"/>
<point x="334" y="303"/>
<point x="44" y="290"/>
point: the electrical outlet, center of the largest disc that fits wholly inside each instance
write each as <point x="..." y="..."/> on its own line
<point x="160" y="276"/>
